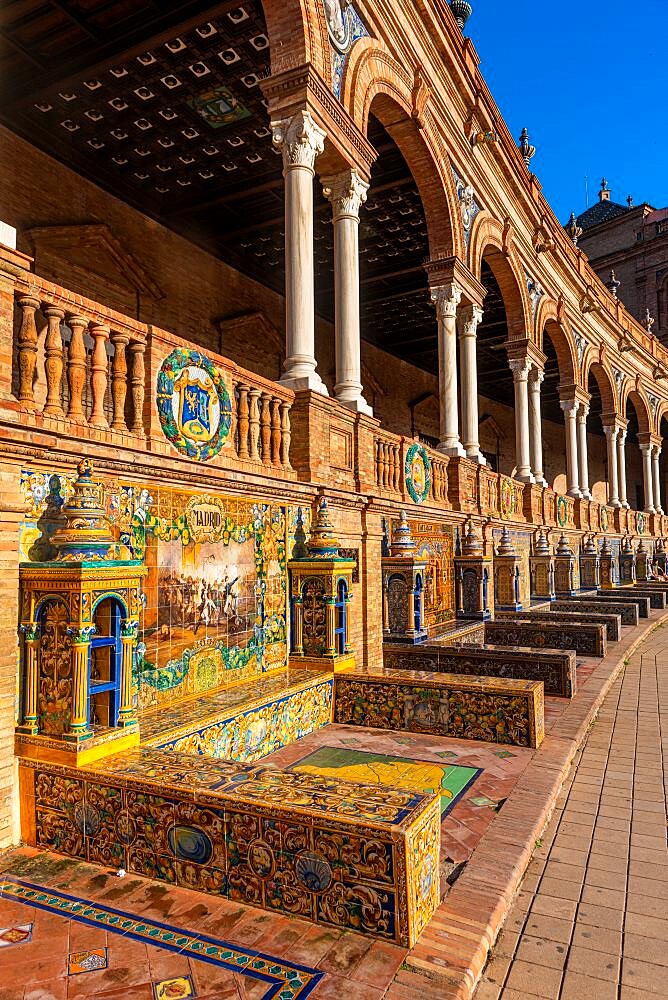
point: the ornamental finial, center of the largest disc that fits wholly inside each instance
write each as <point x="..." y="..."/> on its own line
<point x="526" y="149"/>
<point x="402" y="542"/>
<point x="573" y="230"/>
<point x="462" y="12"/>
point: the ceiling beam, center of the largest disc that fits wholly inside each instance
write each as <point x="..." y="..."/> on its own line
<point x="159" y="27"/>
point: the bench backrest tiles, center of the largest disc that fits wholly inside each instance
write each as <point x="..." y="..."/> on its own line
<point x="657" y="598"/>
<point x="468" y="708"/>
<point x="628" y="612"/>
<point x="586" y="640"/>
<point x="612" y="623"/>
<point x="605" y="597"/>
<point x="556" y="668"/>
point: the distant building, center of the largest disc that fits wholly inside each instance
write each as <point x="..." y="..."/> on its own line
<point x="632" y="241"/>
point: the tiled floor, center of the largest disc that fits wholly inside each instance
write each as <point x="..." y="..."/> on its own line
<point x="466" y="822"/>
<point x="591" y="921"/>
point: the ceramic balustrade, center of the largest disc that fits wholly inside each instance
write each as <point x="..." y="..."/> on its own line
<point x="76" y="362"/>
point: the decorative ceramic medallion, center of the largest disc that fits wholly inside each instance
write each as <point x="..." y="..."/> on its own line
<point x="507" y="497"/>
<point x="562" y="512"/>
<point x="313" y="871"/>
<point x="193" y="404"/>
<point x="418" y="473"/>
<point x="641" y="523"/>
<point x="605" y="521"/>
<point x="189" y="843"/>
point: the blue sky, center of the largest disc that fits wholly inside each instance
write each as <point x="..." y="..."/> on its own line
<point x="590" y="83"/>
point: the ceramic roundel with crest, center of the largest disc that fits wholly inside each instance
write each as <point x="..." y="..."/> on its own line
<point x="417" y="470"/>
<point x="193" y="404"/>
<point x="605" y="523"/>
<point x="562" y="512"/>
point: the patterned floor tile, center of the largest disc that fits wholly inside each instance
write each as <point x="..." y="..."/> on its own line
<point x="179" y="988"/>
<point x="91" y="960"/>
<point x="20" y="934"/>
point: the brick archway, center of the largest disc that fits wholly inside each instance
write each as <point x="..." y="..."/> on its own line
<point x="605" y="384"/>
<point x="374" y="80"/>
<point x="488" y="241"/>
<point x="641" y="407"/>
<point x="297" y="32"/>
<point x="548" y="322"/>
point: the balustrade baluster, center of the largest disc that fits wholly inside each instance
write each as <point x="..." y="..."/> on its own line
<point x="242" y="420"/>
<point x="27" y="344"/>
<point x="119" y="380"/>
<point x="397" y="469"/>
<point x="275" y="432"/>
<point x="386" y="464"/>
<point x="76" y="367"/>
<point x="254" y="421"/>
<point x="138" y="385"/>
<point x="53" y="361"/>
<point x="265" y="428"/>
<point x="99" y="374"/>
<point x="286" y="435"/>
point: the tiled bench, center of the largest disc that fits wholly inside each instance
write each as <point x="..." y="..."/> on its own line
<point x="612" y="623"/>
<point x="586" y="640"/>
<point x="496" y="710"/>
<point x="627" y="611"/>
<point x="656" y="596"/>
<point x="246" y="722"/>
<point x="621" y="596"/>
<point x="556" y="668"/>
<point x="346" y="855"/>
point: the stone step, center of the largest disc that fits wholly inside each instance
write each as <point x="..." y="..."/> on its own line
<point x="556" y="668"/>
<point x="497" y="710"/>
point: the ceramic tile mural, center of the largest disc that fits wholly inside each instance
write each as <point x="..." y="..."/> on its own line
<point x="450" y="781"/>
<point x="352" y="856"/>
<point x="475" y="708"/>
<point x="435" y="543"/>
<point x="216" y="590"/>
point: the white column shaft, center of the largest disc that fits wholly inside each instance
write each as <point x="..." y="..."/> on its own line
<point x="621" y="467"/>
<point x="570" y="409"/>
<point x="583" y="454"/>
<point x="300" y="140"/>
<point x="656" y="479"/>
<point x="535" y="426"/>
<point x="469" y="318"/>
<point x="347" y="192"/>
<point x="520" y="370"/>
<point x="447" y="299"/>
<point x="613" y="490"/>
<point x="646" y="452"/>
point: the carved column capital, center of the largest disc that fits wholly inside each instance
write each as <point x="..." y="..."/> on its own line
<point x="299" y="139"/>
<point x="468" y="320"/>
<point x="536" y="375"/>
<point x="347" y="193"/>
<point x="569" y="406"/>
<point x="520" y="368"/>
<point x="583" y="412"/>
<point x="446" y="298"/>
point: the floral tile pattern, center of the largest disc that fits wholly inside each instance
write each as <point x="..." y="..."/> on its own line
<point x="174" y="989"/>
<point x="20" y="934"/>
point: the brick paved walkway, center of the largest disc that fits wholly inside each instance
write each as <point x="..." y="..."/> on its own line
<point x="591" y="920"/>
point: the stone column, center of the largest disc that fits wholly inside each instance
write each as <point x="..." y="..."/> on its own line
<point x="447" y="298"/>
<point x="583" y="455"/>
<point x="347" y="193"/>
<point x="467" y="320"/>
<point x="536" y="376"/>
<point x="300" y="141"/>
<point x="610" y="432"/>
<point x="646" y="451"/>
<point x="520" y="369"/>
<point x="570" y="408"/>
<point x="621" y="467"/>
<point x="656" y="478"/>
